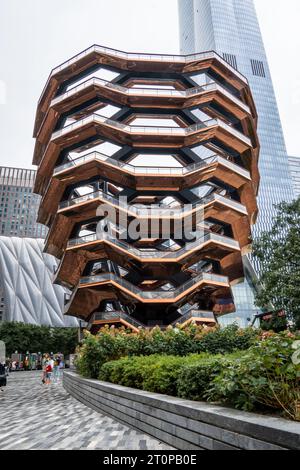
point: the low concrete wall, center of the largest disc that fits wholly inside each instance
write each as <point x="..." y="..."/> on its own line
<point x="184" y="424"/>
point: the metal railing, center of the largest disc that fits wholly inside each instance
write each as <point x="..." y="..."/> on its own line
<point x="159" y="293"/>
<point x="152" y="92"/>
<point x="146" y="170"/>
<point x="116" y="315"/>
<point x="98" y="118"/>
<point x="196" y="314"/>
<point x="201" y="239"/>
<point x="173" y="58"/>
<point x="153" y="210"/>
<point x="150" y="130"/>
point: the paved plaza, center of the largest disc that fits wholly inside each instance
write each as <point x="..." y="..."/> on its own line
<point x="37" y="416"/>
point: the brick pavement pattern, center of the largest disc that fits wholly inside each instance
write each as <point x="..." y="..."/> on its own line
<point x="37" y="416"/>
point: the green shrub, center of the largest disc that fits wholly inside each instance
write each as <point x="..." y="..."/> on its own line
<point x="263" y="376"/>
<point x="108" y="345"/>
<point x="94" y="353"/>
<point x="112" y="371"/>
<point x="172" y="341"/>
<point x="128" y="371"/>
<point x="226" y="340"/>
<point x="113" y="343"/>
<point x="163" y="377"/>
<point x="153" y="373"/>
<point x="194" y="379"/>
<point x="195" y="339"/>
<point x="276" y="324"/>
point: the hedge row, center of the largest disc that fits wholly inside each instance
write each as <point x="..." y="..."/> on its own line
<point x="112" y="343"/>
<point x="263" y="377"/>
<point x="185" y="377"/>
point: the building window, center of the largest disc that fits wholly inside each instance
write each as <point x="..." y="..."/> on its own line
<point x="258" y="68"/>
<point x="231" y="59"/>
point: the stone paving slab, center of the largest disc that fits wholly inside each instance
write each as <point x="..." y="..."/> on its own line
<point x="37" y="416"/>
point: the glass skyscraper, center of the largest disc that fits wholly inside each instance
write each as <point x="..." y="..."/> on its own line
<point x="295" y="173"/>
<point x="231" y="28"/>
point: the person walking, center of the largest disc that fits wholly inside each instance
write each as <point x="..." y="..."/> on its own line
<point x="60" y="368"/>
<point x="44" y="373"/>
<point x="55" y="369"/>
<point x="3" y="376"/>
<point x="51" y="362"/>
<point x="49" y="370"/>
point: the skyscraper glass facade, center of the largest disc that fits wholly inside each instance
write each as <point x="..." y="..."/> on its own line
<point x="231" y="28"/>
<point x="295" y="173"/>
<point x="18" y="204"/>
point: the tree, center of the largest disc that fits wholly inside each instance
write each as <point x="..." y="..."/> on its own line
<point x="23" y="337"/>
<point x="64" y="340"/>
<point x="278" y="251"/>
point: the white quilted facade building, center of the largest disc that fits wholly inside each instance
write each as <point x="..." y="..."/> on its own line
<point x="27" y="292"/>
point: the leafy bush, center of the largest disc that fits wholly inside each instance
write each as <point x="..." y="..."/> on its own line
<point x="196" y="339"/>
<point x="94" y="353"/>
<point x="276" y="324"/>
<point x="227" y="340"/>
<point x="247" y="369"/>
<point x="128" y="371"/>
<point x="162" y="376"/>
<point x="154" y="373"/>
<point x="113" y="343"/>
<point x="194" y="380"/>
<point x="172" y="341"/>
<point x="263" y="376"/>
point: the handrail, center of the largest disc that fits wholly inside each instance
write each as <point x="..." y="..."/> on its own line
<point x="150" y="130"/>
<point x="155" y="294"/>
<point x="153" y="170"/>
<point x="201" y="238"/>
<point x="149" y="57"/>
<point x="96" y="81"/>
<point x="153" y="210"/>
<point x="194" y="313"/>
<point x="116" y="314"/>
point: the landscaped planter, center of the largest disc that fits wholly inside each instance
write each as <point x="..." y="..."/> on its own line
<point x="182" y="423"/>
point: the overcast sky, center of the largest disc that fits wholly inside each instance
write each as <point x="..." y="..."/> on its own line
<point x="37" y="35"/>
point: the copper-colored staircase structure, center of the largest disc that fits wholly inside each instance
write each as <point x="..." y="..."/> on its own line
<point x="93" y="132"/>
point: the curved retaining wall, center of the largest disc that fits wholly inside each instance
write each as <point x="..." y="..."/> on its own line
<point x="184" y="424"/>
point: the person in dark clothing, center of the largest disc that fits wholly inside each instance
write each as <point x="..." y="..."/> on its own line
<point x="2" y="376"/>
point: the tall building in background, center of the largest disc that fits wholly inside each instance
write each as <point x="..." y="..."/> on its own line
<point x="26" y="291"/>
<point x="231" y="28"/>
<point x="294" y="163"/>
<point x="18" y="204"/>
